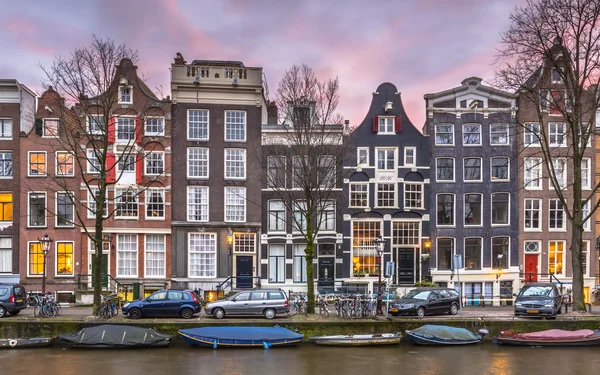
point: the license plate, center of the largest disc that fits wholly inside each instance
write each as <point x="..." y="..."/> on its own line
<point x="533" y="311"/>
<point x="393" y="310"/>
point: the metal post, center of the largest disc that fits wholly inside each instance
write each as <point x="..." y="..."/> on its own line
<point x="461" y="291"/>
<point x="380" y="243"/>
<point x="44" y="274"/>
<point x="45" y="243"/>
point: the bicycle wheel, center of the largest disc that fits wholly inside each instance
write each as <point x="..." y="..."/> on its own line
<point x="98" y="313"/>
<point x="57" y="308"/>
<point x="293" y="309"/>
<point x="114" y="311"/>
<point x="36" y="311"/>
<point x="330" y="299"/>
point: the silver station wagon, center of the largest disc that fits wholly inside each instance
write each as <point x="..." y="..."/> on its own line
<point x="266" y="302"/>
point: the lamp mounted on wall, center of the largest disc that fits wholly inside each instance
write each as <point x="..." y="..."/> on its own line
<point x="229" y="240"/>
<point x="45" y="243"/>
<point x="499" y="271"/>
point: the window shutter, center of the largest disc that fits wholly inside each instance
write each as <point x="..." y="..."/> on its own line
<point x="111" y="128"/>
<point x="398" y="124"/>
<point x="139" y="129"/>
<point x="39" y="126"/>
<point x="139" y="169"/>
<point x="376" y="124"/>
<point x="111" y="169"/>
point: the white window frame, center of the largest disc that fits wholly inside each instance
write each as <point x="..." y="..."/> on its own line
<point x="562" y="181"/>
<point x="585" y="249"/>
<point x="100" y="123"/>
<point x="437" y="200"/>
<point x="464" y="133"/>
<point x="161" y="159"/>
<point x="29" y="194"/>
<point x="532" y="134"/>
<point x="72" y="174"/>
<point x="528" y="206"/>
<point x="492" y="169"/>
<point x="120" y="255"/>
<point x="155" y="251"/>
<point x="276" y="263"/>
<point x="56" y="274"/>
<point x="563" y="227"/>
<point x="351" y="186"/>
<point x="505" y="130"/>
<point x="451" y="134"/>
<point x="44" y="135"/>
<point x="199" y="123"/>
<point x="274" y="164"/>
<point x="480" y="253"/>
<point x="235" y="165"/>
<point x="299" y="216"/>
<point x="203" y="207"/>
<point x="200" y="162"/>
<point x="585" y="210"/>
<point x="148" y="195"/>
<point x="383" y="125"/>
<point x="148" y="133"/>
<point x="395" y="192"/>
<point x="117" y="133"/>
<point x="119" y="191"/>
<point x="327" y="211"/>
<point x="533" y="173"/>
<point x="420" y="192"/>
<point x="276" y="219"/>
<point x="121" y="101"/>
<point x="209" y="240"/>
<point x="563" y="252"/>
<point x="480" y="170"/>
<point x="586" y="164"/>
<point x="326" y="171"/>
<point x="91" y="155"/>
<point x="227" y="124"/>
<point x="453" y="169"/>
<point x="554" y="136"/>
<point x="537" y="251"/>
<point x="480" y="210"/>
<point x="492" y="209"/>
<point x="6" y="132"/>
<point x="72" y="201"/>
<point x="6" y="255"/>
<point x="362" y="161"/>
<point x="413" y="151"/>
<point x="91" y="202"/>
<point x="3" y="167"/>
<point x="234" y="192"/>
<point x="29" y="174"/>
<point x="386" y="160"/>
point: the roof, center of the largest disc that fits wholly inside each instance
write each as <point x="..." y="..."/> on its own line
<point x="218" y="63"/>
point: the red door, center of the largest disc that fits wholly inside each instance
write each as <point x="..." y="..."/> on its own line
<point x="531" y="268"/>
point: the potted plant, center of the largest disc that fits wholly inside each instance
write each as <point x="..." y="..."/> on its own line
<point x="72" y="300"/>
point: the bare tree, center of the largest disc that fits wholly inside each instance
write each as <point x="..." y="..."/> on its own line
<point x="551" y="59"/>
<point x="303" y="157"/>
<point x="92" y="84"/>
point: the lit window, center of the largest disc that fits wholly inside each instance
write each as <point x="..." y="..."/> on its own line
<point x="556" y="252"/>
<point x="37" y="163"/>
<point x="64" y="258"/>
<point x="36" y="259"/>
<point x="65" y="164"/>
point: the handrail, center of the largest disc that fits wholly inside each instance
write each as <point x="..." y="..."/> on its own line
<point x="551" y="276"/>
<point x="109" y="277"/>
<point x="229" y="282"/>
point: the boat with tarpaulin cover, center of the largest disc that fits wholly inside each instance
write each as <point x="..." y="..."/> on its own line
<point x="551" y="337"/>
<point x="240" y="336"/>
<point x="431" y="334"/>
<point x="116" y="336"/>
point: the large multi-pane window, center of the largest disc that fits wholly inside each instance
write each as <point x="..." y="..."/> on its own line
<point x="37" y="209"/>
<point x="6" y="163"/>
<point x="126" y="203"/>
<point x="36" y="259"/>
<point x="276" y="216"/>
<point x="235" y="204"/>
<point x="244" y="242"/>
<point x="500" y="208"/>
<point x="365" y="259"/>
<point x="65" y="163"/>
<point x="197" y="125"/>
<point x="197" y="162"/>
<point x="50" y="128"/>
<point x="500" y="252"/>
<point x="327" y="215"/>
<point x="585" y="173"/>
<point x="125" y="129"/>
<point x="93" y="162"/>
<point x="326" y="171"/>
<point x="155" y="203"/>
<point x="64" y="258"/>
<point x="445" y="169"/>
<point x="473" y="209"/>
<point x="473" y="246"/>
<point x="359" y="194"/>
<point x="406" y="233"/>
<point x="276" y="263"/>
<point x="410" y="156"/>
<point x="197" y="203"/>
<point x="235" y="126"/>
<point x="413" y="195"/>
<point x="276" y="171"/>
<point x="298" y="168"/>
<point x="6" y="254"/>
<point x="155" y="163"/>
<point x="472" y="134"/>
<point x="6" y="128"/>
<point x="127" y="250"/>
<point x="299" y="222"/>
<point x="126" y="163"/>
<point x="95" y="124"/>
<point x="125" y="94"/>
<point x="445" y="209"/>
<point x="556" y="215"/>
<point x="500" y="169"/>
<point x="533" y="214"/>
<point x="386" y="195"/>
<point x="472" y="169"/>
<point x="6" y="206"/>
<point x="202" y="254"/>
<point x="65" y="209"/>
<point x="299" y="263"/>
<point x="585" y="254"/>
<point x="445" y="251"/>
<point x="585" y="211"/>
<point x="235" y="163"/>
<point x="560" y="172"/>
<point x="556" y="252"/>
<point x="155" y="255"/>
<point x="386" y="125"/>
<point x="154" y="126"/>
<point x="531" y="134"/>
<point x="444" y="135"/>
<point x="37" y="163"/>
<point x="92" y="202"/>
<point x="557" y="134"/>
<point x="533" y="173"/>
<point x="499" y="134"/>
<point x="362" y="156"/>
<point x="386" y="158"/>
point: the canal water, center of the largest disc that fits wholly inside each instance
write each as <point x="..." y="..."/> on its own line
<point x="305" y="359"/>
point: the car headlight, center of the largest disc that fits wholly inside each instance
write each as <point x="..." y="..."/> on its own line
<point x="549" y="305"/>
<point x="519" y="304"/>
<point x="409" y="306"/>
<point x="125" y="305"/>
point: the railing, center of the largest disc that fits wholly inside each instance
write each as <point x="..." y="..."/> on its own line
<point x="115" y="286"/>
<point x="528" y="277"/>
<point x="228" y="282"/>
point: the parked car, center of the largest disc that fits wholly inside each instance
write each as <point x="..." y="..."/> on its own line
<point x="266" y="302"/>
<point x="167" y="302"/>
<point x="13" y="299"/>
<point x="539" y="299"/>
<point x="427" y="301"/>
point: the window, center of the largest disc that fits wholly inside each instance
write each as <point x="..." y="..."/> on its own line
<point x="298" y="171"/>
<point x="532" y="247"/>
<point x="6" y="163"/>
<point x="473" y="253"/>
<point x="500" y="208"/>
<point x="126" y="163"/>
<point x="276" y="171"/>
<point x="36" y="259"/>
<point x="533" y="214"/>
<point x="127" y="247"/>
<point x="6" y="254"/>
<point x="276" y="216"/>
<point x="125" y="129"/>
<point x="64" y="259"/>
<point x="154" y="126"/>
<point x="95" y="124"/>
<point x="413" y="195"/>
<point x="125" y="95"/>
<point x="500" y="252"/>
<point x="155" y="163"/>
<point x="359" y="194"/>
<point x="556" y="75"/>
<point x="499" y="134"/>
<point x="500" y="169"/>
<point x="327" y="216"/>
<point x="326" y="171"/>
<point x="365" y="259"/>
<point x="37" y="163"/>
<point x="445" y="209"/>
<point x="533" y="173"/>
<point x="472" y="167"/>
<point x="92" y="203"/>
<point x="50" y="128"/>
<point x="386" y="159"/>
<point x="155" y="204"/>
<point x="557" y="134"/>
<point x="406" y="233"/>
<point x="585" y="254"/>
<point x="155" y="255"/>
<point x="65" y="164"/>
<point x="585" y="211"/>
<point x="276" y="263"/>
<point x="544" y="100"/>
<point x="410" y="156"/>
<point x="299" y="223"/>
<point x="203" y="254"/>
<point x="197" y="126"/>
<point x="126" y="203"/>
<point x="473" y="209"/>
<point x="6" y="206"/>
<point x="65" y="209"/>
<point x="560" y="172"/>
<point x="299" y="263"/>
<point x="235" y="204"/>
<point x="445" y="169"/>
<point x="37" y="209"/>
<point x="235" y="163"/>
<point x="445" y="249"/>
<point x="386" y="195"/>
<point x="472" y="134"/>
<point x="244" y="243"/>
<point x="93" y="163"/>
<point x="556" y="252"/>
<point x="6" y="128"/>
<point x="235" y="126"/>
<point x="197" y="162"/>
<point x="444" y="135"/>
<point x="197" y="203"/>
<point x="585" y="173"/>
<point x="362" y="156"/>
<point x="531" y="134"/>
<point x="556" y="215"/>
<point x="386" y="125"/>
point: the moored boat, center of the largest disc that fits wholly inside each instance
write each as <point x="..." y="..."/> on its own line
<point x="32" y="342"/>
<point x="431" y="334"/>
<point x="358" y="340"/>
<point x="116" y="336"/>
<point x="551" y="337"/>
<point x="240" y="336"/>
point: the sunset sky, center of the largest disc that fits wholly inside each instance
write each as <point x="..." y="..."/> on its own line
<point x="421" y="46"/>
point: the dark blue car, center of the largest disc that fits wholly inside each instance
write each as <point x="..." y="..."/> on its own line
<point x="167" y="302"/>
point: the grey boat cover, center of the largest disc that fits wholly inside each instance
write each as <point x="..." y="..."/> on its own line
<point x="113" y="335"/>
<point x="445" y="332"/>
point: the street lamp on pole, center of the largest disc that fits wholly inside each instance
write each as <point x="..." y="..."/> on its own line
<point x="380" y="242"/>
<point x="45" y="243"/>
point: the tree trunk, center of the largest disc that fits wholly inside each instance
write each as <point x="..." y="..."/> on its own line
<point x="97" y="269"/>
<point x="577" y="264"/>
<point x="310" y="278"/>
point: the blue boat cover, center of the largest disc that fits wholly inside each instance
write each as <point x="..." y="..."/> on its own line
<point x="244" y="333"/>
<point x="445" y="332"/>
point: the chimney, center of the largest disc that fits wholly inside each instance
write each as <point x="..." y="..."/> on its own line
<point x="272" y="115"/>
<point x="179" y="59"/>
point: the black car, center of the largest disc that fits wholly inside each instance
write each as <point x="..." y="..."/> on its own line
<point x="13" y="299"/>
<point x="429" y="301"/>
<point x="167" y="302"/>
<point x="538" y="299"/>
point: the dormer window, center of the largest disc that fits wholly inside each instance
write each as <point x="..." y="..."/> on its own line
<point x="386" y="125"/>
<point x="556" y="76"/>
<point x="125" y="95"/>
<point x="50" y="128"/>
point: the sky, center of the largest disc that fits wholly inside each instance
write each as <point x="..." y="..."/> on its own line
<point x="421" y="46"/>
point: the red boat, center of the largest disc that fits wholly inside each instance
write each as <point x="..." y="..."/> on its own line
<point x="551" y="337"/>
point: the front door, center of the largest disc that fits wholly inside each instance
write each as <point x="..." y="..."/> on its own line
<point x="104" y="269"/>
<point x="326" y="276"/>
<point x="406" y="266"/>
<point x="243" y="273"/>
<point x="531" y="268"/>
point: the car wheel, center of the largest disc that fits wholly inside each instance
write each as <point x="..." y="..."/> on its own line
<point x="269" y="313"/>
<point x="187" y="313"/>
<point x="135" y="313"/>
<point x="421" y="312"/>
<point x="2" y="312"/>
<point x="219" y="313"/>
<point x="453" y="309"/>
<point x="14" y="312"/>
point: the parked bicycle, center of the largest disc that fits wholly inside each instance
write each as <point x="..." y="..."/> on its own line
<point x="33" y="299"/>
<point x="297" y="304"/>
<point x="46" y="307"/>
<point x="108" y="309"/>
<point x="321" y="306"/>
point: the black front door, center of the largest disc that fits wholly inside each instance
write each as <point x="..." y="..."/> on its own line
<point x="406" y="266"/>
<point x="326" y="276"/>
<point x="243" y="267"/>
